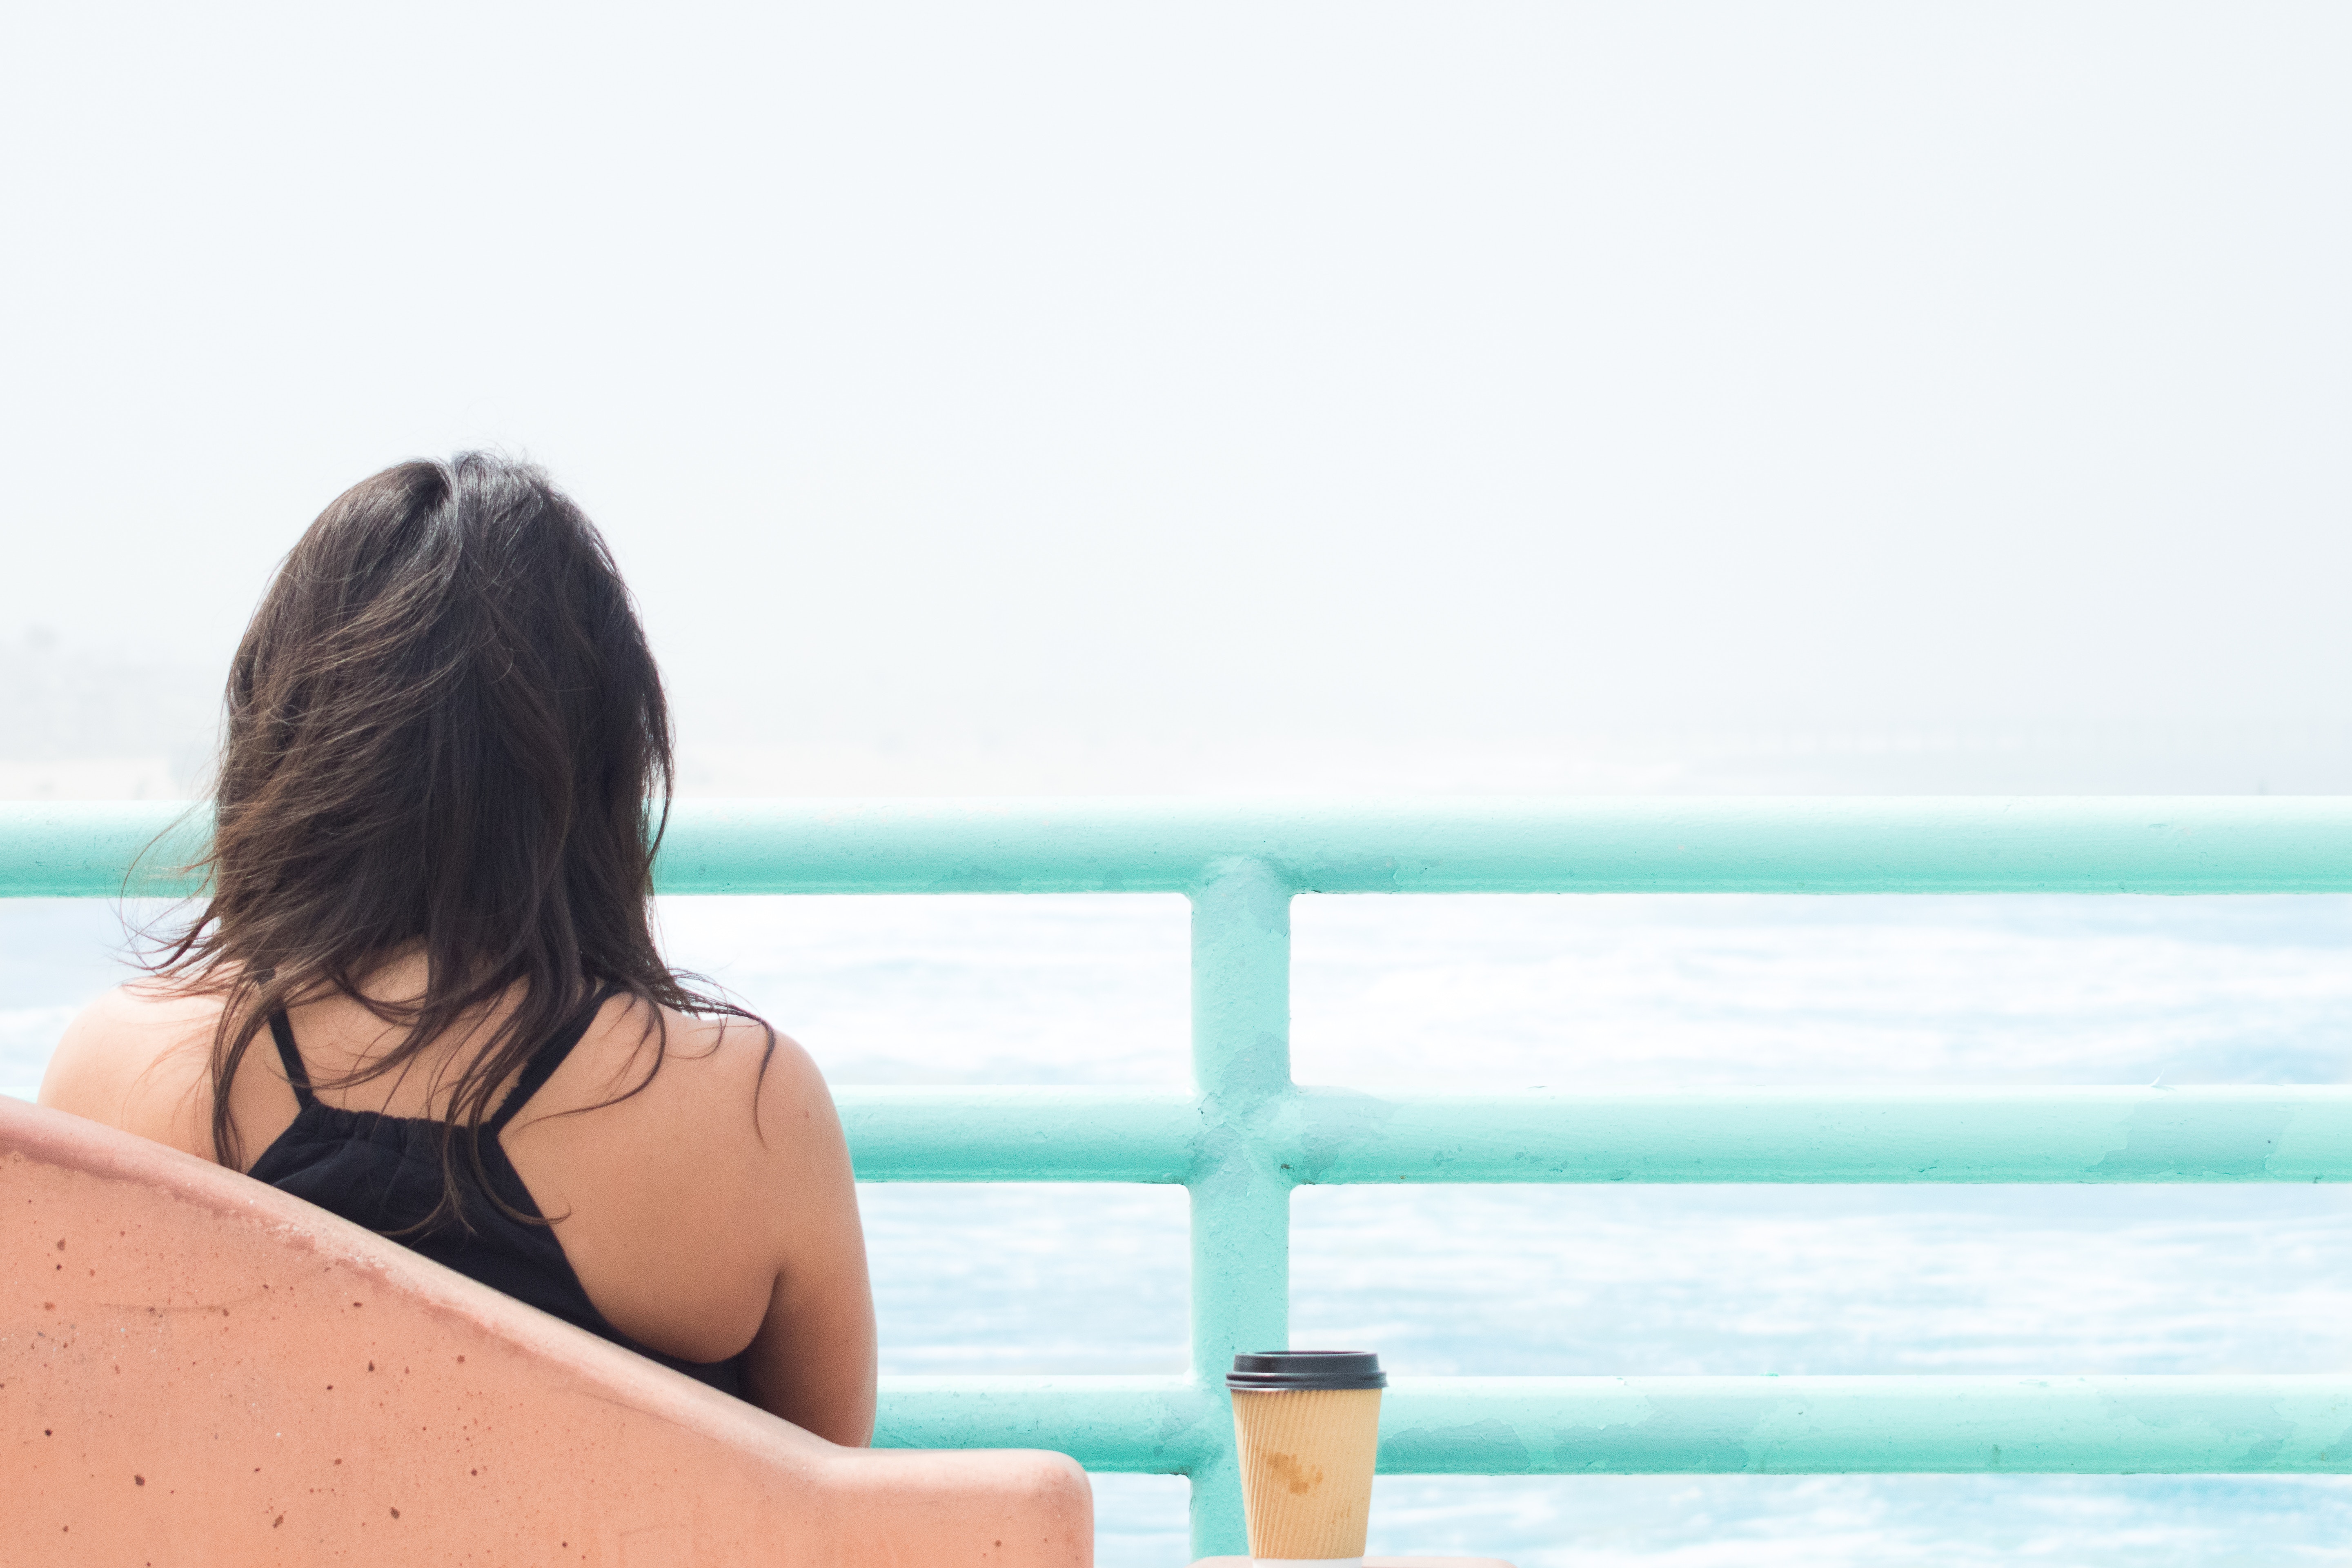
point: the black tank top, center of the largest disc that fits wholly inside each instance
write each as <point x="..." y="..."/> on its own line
<point x="384" y="1172"/>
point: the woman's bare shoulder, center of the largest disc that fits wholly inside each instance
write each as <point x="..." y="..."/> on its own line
<point x="690" y="1183"/>
<point x="733" y="1079"/>
<point x="711" y="1052"/>
<point x="137" y="1059"/>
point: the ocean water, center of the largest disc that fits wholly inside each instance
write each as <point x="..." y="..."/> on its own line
<point x="1503" y="992"/>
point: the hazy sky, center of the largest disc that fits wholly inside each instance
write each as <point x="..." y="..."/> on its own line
<point x="1419" y="379"/>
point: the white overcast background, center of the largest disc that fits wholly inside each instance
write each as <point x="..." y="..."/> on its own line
<point x="1009" y="397"/>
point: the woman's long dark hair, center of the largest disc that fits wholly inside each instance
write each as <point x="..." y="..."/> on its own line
<point x="444" y="735"/>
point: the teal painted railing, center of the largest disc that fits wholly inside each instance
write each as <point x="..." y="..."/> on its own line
<point x="1248" y="1135"/>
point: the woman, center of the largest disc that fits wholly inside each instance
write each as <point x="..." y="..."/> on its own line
<point x="424" y="993"/>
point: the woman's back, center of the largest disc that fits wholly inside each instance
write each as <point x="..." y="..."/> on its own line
<point x="689" y="1231"/>
<point x="392" y="1174"/>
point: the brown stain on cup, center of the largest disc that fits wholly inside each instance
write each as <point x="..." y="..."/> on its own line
<point x="1299" y="1478"/>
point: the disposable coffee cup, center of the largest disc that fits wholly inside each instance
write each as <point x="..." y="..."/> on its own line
<point x="1308" y="1426"/>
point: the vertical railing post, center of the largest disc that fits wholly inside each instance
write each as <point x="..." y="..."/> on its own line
<point x="1241" y="1199"/>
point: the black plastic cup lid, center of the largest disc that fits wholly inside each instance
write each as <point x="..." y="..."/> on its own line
<point x="1274" y="1372"/>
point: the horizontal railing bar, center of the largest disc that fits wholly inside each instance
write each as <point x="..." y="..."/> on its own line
<point x="1649" y="1425"/>
<point x="1154" y="1425"/>
<point x="1793" y="845"/>
<point x="87" y="848"/>
<point x="2219" y="844"/>
<point x="2279" y="1425"/>
<point x="985" y="1133"/>
<point x="1327" y="1137"/>
<point x="2201" y="1133"/>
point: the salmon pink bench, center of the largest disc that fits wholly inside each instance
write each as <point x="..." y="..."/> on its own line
<point x="197" y="1369"/>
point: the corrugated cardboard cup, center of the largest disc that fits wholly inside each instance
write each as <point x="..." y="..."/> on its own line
<point x="1308" y="1426"/>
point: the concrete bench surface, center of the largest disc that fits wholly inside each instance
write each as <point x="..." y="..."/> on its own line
<point x="196" y="1369"/>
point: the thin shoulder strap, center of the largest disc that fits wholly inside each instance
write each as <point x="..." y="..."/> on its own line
<point x="282" y="1031"/>
<point x="546" y="1059"/>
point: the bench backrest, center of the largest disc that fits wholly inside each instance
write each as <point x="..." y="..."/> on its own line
<point x="196" y="1368"/>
